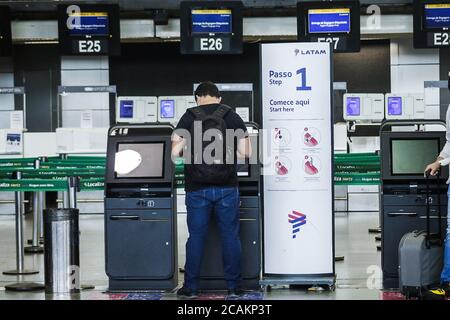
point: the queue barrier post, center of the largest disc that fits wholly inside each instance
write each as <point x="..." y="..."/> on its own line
<point x="21" y="285"/>
<point x="37" y="216"/>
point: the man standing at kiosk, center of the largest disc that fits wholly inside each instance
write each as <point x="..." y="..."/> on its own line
<point x="211" y="186"/>
<point x="442" y="160"/>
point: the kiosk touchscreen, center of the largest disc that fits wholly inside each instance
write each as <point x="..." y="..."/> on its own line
<point x="363" y="107"/>
<point x="406" y="154"/>
<point x="172" y="108"/>
<point x="404" y="106"/>
<point x="137" y="110"/>
<point x="140" y="211"/>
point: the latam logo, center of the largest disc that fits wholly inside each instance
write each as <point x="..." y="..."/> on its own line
<point x="297" y="219"/>
<point x="309" y="52"/>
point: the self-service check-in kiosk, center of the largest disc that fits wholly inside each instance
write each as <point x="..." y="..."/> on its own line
<point x="211" y="276"/>
<point x="140" y="209"/>
<point x="404" y="156"/>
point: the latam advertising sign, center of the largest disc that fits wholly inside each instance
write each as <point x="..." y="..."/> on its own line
<point x="298" y="183"/>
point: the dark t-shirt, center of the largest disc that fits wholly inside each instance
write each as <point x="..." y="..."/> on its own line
<point x="233" y="121"/>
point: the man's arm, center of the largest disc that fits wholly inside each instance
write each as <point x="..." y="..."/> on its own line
<point x="244" y="148"/>
<point x="434" y="167"/>
<point x="178" y="144"/>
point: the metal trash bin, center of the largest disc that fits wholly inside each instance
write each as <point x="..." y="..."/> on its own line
<point x="62" y="251"/>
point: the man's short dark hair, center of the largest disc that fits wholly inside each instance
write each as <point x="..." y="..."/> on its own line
<point x="207" y="89"/>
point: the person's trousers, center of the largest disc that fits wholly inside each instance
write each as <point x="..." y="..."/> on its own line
<point x="223" y="202"/>
<point x="445" y="276"/>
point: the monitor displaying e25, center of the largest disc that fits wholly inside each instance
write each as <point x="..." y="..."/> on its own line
<point x="152" y="160"/>
<point x="437" y="16"/>
<point x="211" y="20"/>
<point x="329" y="20"/>
<point x="411" y="156"/>
<point x="89" y="24"/>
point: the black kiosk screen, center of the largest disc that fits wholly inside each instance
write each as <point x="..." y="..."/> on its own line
<point x="140" y="160"/>
<point x="410" y="157"/>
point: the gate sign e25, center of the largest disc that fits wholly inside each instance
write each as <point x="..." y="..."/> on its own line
<point x="87" y="29"/>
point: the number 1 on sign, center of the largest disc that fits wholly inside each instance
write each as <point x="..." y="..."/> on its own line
<point x="303" y="87"/>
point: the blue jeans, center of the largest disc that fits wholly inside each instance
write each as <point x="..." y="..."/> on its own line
<point x="224" y="203"/>
<point x="445" y="276"/>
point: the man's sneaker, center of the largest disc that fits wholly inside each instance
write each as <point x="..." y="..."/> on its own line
<point x="434" y="294"/>
<point x="187" y="293"/>
<point x="235" y="293"/>
<point x="446" y="288"/>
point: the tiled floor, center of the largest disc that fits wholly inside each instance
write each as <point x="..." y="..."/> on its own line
<point x="358" y="276"/>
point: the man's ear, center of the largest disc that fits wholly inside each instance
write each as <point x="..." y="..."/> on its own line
<point x="220" y="99"/>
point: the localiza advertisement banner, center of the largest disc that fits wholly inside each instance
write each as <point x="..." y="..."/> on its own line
<point x="298" y="184"/>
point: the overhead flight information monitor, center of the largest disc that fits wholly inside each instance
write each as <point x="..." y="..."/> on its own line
<point x="89" y="29"/>
<point x="5" y="32"/>
<point x="212" y="21"/>
<point x="329" y="20"/>
<point x="431" y="24"/>
<point x="335" y="22"/>
<point x="209" y="27"/>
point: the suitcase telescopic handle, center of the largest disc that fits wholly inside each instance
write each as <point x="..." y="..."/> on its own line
<point x="428" y="200"/>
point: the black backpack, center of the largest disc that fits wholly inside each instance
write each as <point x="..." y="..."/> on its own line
<point x="218" y="172"/>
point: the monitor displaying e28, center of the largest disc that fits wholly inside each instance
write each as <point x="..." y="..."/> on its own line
<point x="437" y="16"/>
<point x="411" y="156"/>
<point x="395" y="106"/>
<point x="329" y="20"/>
<point x="126" y="108"/>
<point x="89" y="24"/>
<point x="211" y="20"/>
<point x="167" y="109"/>
<point x="353" y="106"/>
<point x="152" y="160"/>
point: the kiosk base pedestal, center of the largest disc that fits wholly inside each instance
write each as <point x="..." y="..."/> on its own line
<point x="24" y="286"/>
<point x="19" y="272"/>
<point x="305" y="280"/>
<point x="140" y="285"/>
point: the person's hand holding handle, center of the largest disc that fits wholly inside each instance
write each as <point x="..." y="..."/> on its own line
<point x="433" y="168"/>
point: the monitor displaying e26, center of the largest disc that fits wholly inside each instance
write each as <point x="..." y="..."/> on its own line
<point x="410" y="157"/>
<point x="151" y="164"/>
<point x="329" y="20"/>
<point x="353" y="106"/>
<point x="89" y="24"/>
<point x="211" y="20"/>
<point x="437" y="16"/>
